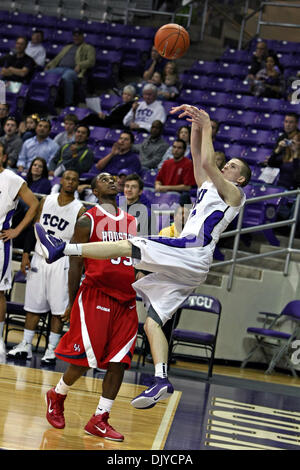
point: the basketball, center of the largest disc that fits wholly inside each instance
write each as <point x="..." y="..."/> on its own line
<point x="172" y="41"/>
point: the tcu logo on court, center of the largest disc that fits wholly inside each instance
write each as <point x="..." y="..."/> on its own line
<point x="200" y="301"/>
<point x="55" y="222"/>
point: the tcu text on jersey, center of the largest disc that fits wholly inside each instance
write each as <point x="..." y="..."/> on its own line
<point x="53" y="221"/>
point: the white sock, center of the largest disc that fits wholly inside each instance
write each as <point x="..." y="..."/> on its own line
<point x="28" y="335"/>
<point x="73" y="249"/>
<point x="161" y="370"/>
<point x="53" y="340"/>
<point x="61" y="387"/>
<point x="1" y="328"/>
<point x="104" y="406"/>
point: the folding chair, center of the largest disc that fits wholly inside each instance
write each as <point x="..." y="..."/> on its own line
<point x="271" y="336"/>
<point x="16" y="315"/>
<point x="197" y="339"/>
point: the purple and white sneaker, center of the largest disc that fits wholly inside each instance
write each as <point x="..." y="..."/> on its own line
<point x="52" y="247"/>
<point x="160" y="390"/>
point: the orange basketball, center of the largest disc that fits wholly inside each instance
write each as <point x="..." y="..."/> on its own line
<point x="171" y="41"/>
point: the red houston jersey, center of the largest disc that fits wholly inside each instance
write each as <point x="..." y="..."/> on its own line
<point x="114" y="276"/>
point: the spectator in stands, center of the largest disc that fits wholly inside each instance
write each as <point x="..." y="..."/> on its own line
<point x="286" y="156"/>
<point x="155" y="63"/>
<point x="27" y="128"/>
<point x="177" y="173"/>
<point x="258" y="60"/>
<point x="68" y="135"/>
<point x="215" y="125"/>
<point x="41" y="145"/>
<point x="153" y="147"/>
<point x="116" y="115"/>
<point x="168" y="89"/>
<point x="12" y="141"/>
<point x="143" y="113"/>
<point x="121" y="176"/>
<point x="18" y="66"/>
<point x="4" y="110"/>
<point x="121" y="156"/>
<point x="180" y="218"/>
<point x="136" y="203"/>
<point x="37" y="176"/>
<point x="35" y="48"/>
<point x="268" y="82"/>
<point x="75" y="156"/>
<point x="72" y="63"/>
<point x="183" y="133"/>
<point x="220" y="159"/>
<point x="290" y="129"/>
<point x="37" y="180"/>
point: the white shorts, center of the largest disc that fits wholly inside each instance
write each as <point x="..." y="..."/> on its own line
<point x="175" y="273"/>
<point x="5" y="265"/>
<point x="47" y="286"/>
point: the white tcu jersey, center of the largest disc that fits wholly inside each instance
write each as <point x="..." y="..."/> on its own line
<point x="209" y="216"/>
<point x="59" y="220"/>
<point x="10" y="185"/>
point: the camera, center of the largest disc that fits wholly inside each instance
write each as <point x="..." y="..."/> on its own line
<point x="288" y="142"/>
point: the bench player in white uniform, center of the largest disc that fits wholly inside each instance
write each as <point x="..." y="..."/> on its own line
<point x="179" y="265"/>
<point x="46" y="284"/>
<point x="12" y="187"/>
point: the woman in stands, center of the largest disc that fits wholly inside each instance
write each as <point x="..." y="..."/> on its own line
<point x="268" y="81"/>
<point x="37" y="176"/>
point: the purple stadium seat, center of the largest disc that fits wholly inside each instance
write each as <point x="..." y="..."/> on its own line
<point x="271" y="336"/>
<point x="142" y="32"/>
<point x="111" y="43"/>
<point x="233" y="70"/>
<point x="213" y="98"/>
<point x="172" y="124"/>
<point x="101" y="151"/>
<point x="257" y="137"/>
<point x="109" y="100"/>
<point x="236" y="56"/>
<point x="149" y="177"/>
<point x="62" y="37"/>
<point x="89" y="26"/>
<point x="13" y="31"/>
<point x="190" y="96"/>
<point x="52" y="49"/>
<point x="262" y="212"/>
<point x="6" y="45"/>
<point x="97" y="134"/>
<point x="268" y="121"/>
<point x="43" y="90"/>
<point x="202" y="67"/>
<point x="95" y="39"/>
<point x="111" y="136"/>
<point x="256" y="155"/>
<point x="81" y="113"/>
<point x="236" y="150"/>
<point x="268" y="105"/>
<point x="228" y="133"/>
<point x="241" y="118"/>
<point x="198" y="339"/>
<point x="218" y="114"/>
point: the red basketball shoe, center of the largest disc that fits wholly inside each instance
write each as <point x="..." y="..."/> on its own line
<point x="98" y="426"/>
<point x="55" y="408"/>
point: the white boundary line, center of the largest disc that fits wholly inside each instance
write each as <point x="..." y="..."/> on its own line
<point x="165" y="421"/>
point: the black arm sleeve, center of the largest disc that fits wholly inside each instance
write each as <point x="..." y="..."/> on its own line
<point x="29" y="239"/>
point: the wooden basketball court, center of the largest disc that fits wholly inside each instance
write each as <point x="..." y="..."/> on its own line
<point x="23" y="408"/>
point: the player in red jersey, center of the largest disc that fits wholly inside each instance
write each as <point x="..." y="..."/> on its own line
<point x="103" y="322"/>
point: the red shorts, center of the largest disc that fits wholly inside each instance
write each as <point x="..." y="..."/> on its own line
<point x="102" y="330"/>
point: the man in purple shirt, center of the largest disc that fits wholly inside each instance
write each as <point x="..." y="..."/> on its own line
<point x="121" y="156"/>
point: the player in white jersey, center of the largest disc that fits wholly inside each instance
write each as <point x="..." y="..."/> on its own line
<point x="46" y="284"/>
<point x="179" y="265"/>
<point x="12" y="187"/>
